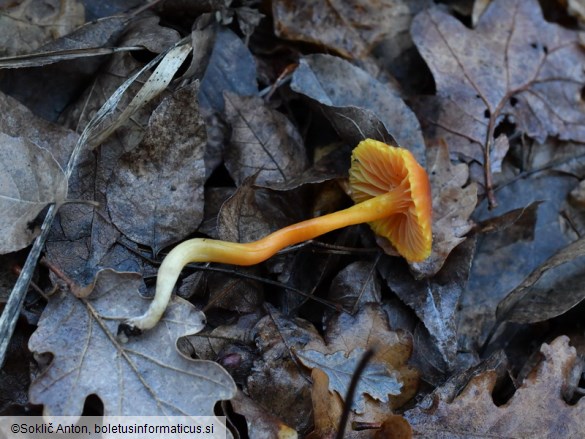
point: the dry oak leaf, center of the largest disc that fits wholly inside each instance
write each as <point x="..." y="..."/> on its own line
<point x="327" y="407"/>
<point x="453" y="203"/>
<point x="536" y="410"/>
<point x="146" y="376"/>
<point x="552" y="289"/>
<point x="376" y="380"/>
<point x="276" y="379"/>
<point x="514" y="65"/>
<point x="261" y="424"/>
<point x="369" y="329"/>
<point x="434" y="300"/>
<point x="30" y="179"/>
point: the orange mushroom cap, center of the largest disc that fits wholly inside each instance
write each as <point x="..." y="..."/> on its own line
<point x="377" y="169"/>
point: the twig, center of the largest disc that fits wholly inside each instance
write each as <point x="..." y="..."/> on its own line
<point x="13" y="306"/>
<point x="17" y="269"/>
<point x="355" y="379"/>
<point x="73" y="287"/>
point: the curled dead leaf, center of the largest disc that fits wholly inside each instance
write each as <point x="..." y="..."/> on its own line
<point x="551" y="290"/>
<point x="536" y="409"/>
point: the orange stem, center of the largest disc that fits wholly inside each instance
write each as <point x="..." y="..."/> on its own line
<point x="251" y="253"/>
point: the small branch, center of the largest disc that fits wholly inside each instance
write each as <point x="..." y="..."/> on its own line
<point x="13" y="306"/>
<point x="73" y="287"/>
<point x="17" y="270"/>
<point x="487" y="165"/>
<point x="355" y="379"/>
<point x="77" y="201"/>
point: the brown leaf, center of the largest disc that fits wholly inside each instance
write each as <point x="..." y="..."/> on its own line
<point x="358" y="105"/>
<point x="263" y="141"/>
<point x="108" y="120"/>
<point x="376" y="380"/>
<point x="240" y="219"/>
<point x="260" y="423"/>
<point x="208" y="345"/>
<point x="333" y="165"/>
<point x="83" y="239"/>
<point x="535" y="410"/>
<point x="155" y="195"/>
<point x="203" y="33"/>
<point x="146" y="32"/>
<point x="145" y="375"/>
<point x="30" y="179"/>
<point x="252" y="213"/>
<point x="214" y="199"/>
<point x="551" y="290"/>
<point x="350" y="28"/>
<point x="277" y="381"/>
<point x="453" y="203"/>
<point x="327" y="407"/>
<point x="304" y="271"/>
<point x="513" y="65"/>
<point x="235" y="292"/>
<point x="522" y="221"/>
<point x="356" y="285"/>
<point x="29" y="24"/>
<point x="369" y="329"/>
<point x="48" y="91"/>
<point x="394" y="427"/>
<point x="491" y="277"/>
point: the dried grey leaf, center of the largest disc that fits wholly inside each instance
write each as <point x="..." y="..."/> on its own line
<point x="146" y="375"/>
<point x="376" y="380"/>
<point x="155" y="195"/>
<point x="357" y="104"/>
<point x="551" y="290"/>
<point x="263" y="141"/>
<point x="30" y="179"/>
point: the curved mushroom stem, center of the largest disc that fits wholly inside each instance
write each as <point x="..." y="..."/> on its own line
<point x="211" y="250"/>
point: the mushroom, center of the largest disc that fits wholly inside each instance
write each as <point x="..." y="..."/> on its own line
<point x="392" y="193"/>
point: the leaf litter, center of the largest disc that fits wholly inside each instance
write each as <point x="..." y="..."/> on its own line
<point x="513" y="65"/>
<point x="146" y="376"/>
<point x="536" y="409"/>
<point x="163" y="176"/>
<point x="156" y="173"/>
<point x="31" y="180"/>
